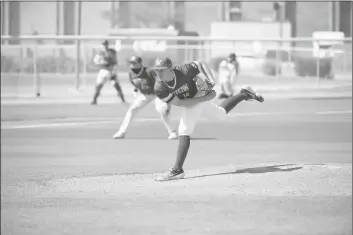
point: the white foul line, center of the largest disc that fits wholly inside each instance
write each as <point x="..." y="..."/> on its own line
<point x="254" y="114"/>
<point x="336" y="112"/>
<point x="63" y="124"/>
<point x="55" y="124"/>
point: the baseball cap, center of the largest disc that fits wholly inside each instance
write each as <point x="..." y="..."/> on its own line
<point x="105" y="42"/>
<point x="135" y="59"/>
<point x="162" y="63"/>
<point x="231" y="55"/>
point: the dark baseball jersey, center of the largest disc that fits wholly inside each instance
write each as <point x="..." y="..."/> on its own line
<point x="183" y="86"/>
<point x="110" y="57"/>
<point x="143" y="81"/>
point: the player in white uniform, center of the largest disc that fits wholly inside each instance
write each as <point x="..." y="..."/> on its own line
<point x="143" y="82"/>
<point x="228" y="70"/>
<point x="190" y="86"/>
<point x="107" y="62"/>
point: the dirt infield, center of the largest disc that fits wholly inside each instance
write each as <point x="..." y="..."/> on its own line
<point x="281" y="167"/>
<point x="266" y="199"/>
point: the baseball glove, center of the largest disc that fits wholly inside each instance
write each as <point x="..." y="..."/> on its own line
<point x="100" y="59"/>
<point x="203" y="85"/>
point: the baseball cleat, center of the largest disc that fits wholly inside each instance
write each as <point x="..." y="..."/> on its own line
<point x="172" y="175"/>
<point x="94" y="102"/>
<point x="119" y="135"/>
<point x="251" y="93"/>
<point x="173" y="136"/>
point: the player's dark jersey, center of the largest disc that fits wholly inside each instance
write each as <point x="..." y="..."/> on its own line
<point x="183" y="86"/>
<point x="143" y="81"/>
<point x="110" y="58"/>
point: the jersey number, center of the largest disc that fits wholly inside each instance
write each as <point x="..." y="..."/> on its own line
<point x="185" y="95"/>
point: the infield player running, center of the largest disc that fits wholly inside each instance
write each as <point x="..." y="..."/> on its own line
<point x="107" y="62"/>
<point x="143" y="82"/>
<point x="190" y="86"/>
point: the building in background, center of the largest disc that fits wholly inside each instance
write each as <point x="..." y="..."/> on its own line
<point x="304" y="16"/>
<point x="61" y="17"/>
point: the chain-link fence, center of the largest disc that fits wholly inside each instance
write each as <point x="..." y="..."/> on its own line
<point x="47" y="66"/>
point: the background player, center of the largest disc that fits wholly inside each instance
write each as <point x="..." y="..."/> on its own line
<point x="143" y="82"/>
<point x="107" y="62"/>
<point x="177" y="86"/>
<point x="228" y="70"/>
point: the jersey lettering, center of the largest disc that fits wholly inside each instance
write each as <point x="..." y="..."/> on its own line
<point x="184" y="88"/>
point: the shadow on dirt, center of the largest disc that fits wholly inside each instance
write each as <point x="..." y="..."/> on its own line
<point x="254" y="170"/>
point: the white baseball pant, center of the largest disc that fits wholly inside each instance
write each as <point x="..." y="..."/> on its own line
<point x="226" y="77"/>
<point x="226" y="84"/>
<point x="142" y="101"/>
<point x="189" y="118"/>
<point x="104" y="75"/>
<point x="191" y="115"/>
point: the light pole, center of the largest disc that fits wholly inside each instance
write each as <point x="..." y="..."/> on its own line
<point x="112" y="15"/>
<point x="350" y="24"/>
<point x="78" y="44"/>
<point x="279" y="8"/>
<point x="58" y="17"/>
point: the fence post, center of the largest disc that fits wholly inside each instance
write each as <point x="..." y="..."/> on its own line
<point x="344" y="64"/>
<point x="36" y="78"/>
<point x="57" y="59"/>
<point x="186" y="52"/>
<point x="278" y="64"/>
<point x="318" y="68"/>
<point x="78" y="53"/>
<point x="208" y="50"/>
<point x="84" y="65"/>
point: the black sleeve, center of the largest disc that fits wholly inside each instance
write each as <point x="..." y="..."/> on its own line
<point x="151" y="74"/>
<point x="162" y="92"/>
<point x="130" y="78"/>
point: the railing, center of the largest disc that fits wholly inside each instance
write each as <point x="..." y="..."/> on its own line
<point x="48" y="60"/>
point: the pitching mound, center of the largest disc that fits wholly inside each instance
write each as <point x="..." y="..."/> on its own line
<point x="264" y="180"/>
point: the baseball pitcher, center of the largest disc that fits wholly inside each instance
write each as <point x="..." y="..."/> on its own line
<point x="107" y="62"/>
<point x="190" y="86"/>
<point x="143" y="82"/>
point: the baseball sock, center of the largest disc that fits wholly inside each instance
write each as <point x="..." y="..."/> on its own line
<point x="97" y="92"/>
<point x="230" y="103"/>
<point x="183" y="148"/>
<point x="120" y="92"/>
